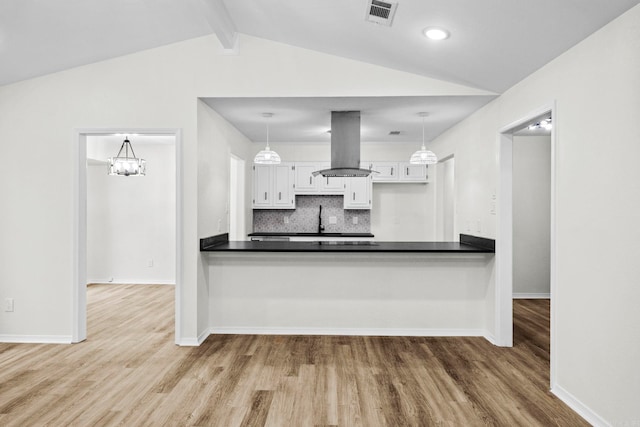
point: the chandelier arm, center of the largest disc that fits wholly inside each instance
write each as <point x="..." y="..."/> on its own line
<point x="132" y="152"/>
<point x="120" y="151"/>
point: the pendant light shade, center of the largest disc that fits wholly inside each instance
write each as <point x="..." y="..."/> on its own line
<point x="267" y="156"/>
<point x="127" y="166"/>
<point x="423" y="156"/>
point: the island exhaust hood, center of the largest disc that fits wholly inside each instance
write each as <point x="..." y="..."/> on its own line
<point x="345" y="146"/>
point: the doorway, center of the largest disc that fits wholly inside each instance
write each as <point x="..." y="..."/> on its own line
<point x="505" y="230"/>
<point x="445" y="200"/>
<point x="531" y="214"/>
<point x="86" y="142"/>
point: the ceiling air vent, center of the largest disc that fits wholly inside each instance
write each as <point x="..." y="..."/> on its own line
<point x="381" y="12"/>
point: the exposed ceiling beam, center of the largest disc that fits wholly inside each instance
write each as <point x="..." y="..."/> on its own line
<point x="220" y="21"/>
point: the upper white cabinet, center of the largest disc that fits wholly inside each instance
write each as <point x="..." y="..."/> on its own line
<point x="306" y="183"/>
<point x="413" y="173"/>
<point x="262" y="186"/>
<point x="357" y="192"/>
<point x="388" y="171"/>
<point x="273" y="186"/>
<point x="330" y="185"/>
<point x="400" y="172"/>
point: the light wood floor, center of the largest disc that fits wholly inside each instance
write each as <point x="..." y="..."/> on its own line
<point x="129" y="372"/>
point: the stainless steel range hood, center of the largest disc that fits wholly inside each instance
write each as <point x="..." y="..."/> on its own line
<point x="345" y="146"/>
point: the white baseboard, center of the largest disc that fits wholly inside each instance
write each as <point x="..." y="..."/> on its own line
<point x="580" y="408"/>
<point x="36" y="339"/>
<point x="376" y="332"/>
<point x="131" y="282"/>
<point x="194" y="342"/>
<point x="531" y="296"/>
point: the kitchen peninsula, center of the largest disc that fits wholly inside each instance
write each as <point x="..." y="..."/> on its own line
<point x="351" y="287"/>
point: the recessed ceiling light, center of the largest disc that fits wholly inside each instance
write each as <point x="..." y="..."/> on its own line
<point x="435" y="33"/>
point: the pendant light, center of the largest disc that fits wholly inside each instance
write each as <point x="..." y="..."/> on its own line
<point x="127" y="166"/>
<point x="423" y="156"/>
<point x="267" y="156"/>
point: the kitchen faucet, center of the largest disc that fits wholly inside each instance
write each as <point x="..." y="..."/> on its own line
<point x="320" y="226"/>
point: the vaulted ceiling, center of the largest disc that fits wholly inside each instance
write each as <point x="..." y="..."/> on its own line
<point x="493" y="44"/>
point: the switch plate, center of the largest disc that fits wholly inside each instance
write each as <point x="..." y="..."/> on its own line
<point x="8" y="304"/>
<point x="355" y="220"/>
<point x="150" y="263"/>
<point x="333" y="220"/>
<point x="286" y="219"/>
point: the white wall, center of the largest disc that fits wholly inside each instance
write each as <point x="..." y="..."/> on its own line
<point x="531" y="216"/>
<point x="595" y="86"/>
<point x="131" y="220"/>
<point x="157" y="88"/>
<point x="444" y="175"/>
<point x="361" y="294"/>
<point x="401" y="212"/>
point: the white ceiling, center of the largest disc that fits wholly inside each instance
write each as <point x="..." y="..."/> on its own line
<point x="493" y="44"/>
<point x="308" y="119"/>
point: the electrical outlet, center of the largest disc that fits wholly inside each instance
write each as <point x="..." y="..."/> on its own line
<point x="286" y="219"/>
<point x="219" y="225"/>
<point x="150" y="263"/>
<point x="355" y="220"/>
<point x="8" y="304"/>
<point x="333" y="220"/>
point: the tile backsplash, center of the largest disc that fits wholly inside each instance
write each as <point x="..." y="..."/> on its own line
<point x="304" y="219"/>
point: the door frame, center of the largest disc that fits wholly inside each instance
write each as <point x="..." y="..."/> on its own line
<point x="504" y="240"/>
<point x="79" y="288"/>
<point x="439" y="217"/>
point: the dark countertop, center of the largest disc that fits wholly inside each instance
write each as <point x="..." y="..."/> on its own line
<point x="265" y="234"/>
<point x="358" y="247"/>
<point x="467" y="244"/>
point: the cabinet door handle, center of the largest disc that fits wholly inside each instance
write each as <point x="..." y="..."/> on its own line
<point x="279" y="195"/>
<point x="310" y="180"/>
<point x="265" y="195"/>
<point x="327" y="180"/>
<point x="354" y="195"/>
<point x="407" y="171"/>
<point x="391" y="170"/>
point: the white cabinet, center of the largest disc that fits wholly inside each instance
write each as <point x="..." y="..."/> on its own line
<point x="413" y="173"/>
<point x="330" y="184"/>
<point x="400" y="172"/>
<point x="262" y="193"/>
<point x="306" y="183"/>
<point x="388" y="171"/>
<point x="283" y="186"/>
<point x="273" y="186"/>
<point x="357" y="193"/>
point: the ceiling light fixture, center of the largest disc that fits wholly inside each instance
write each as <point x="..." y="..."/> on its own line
<point x="435" y="33"/>
<point x="127" y="166"/>
<point x="267" y="156"/>
<point x="542" y="124"/>
<point x="423" y="156"/>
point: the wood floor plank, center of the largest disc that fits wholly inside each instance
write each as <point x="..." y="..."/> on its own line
<point x="129" y="372"/>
